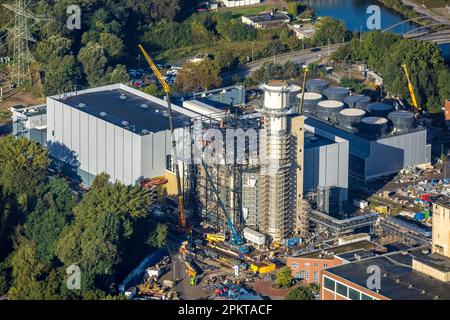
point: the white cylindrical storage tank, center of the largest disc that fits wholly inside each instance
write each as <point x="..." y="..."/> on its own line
<point x="293" y="94"/>
<point x="316" y="85"/>
<point x="379" y="109"/>
<point x="359" y="101"/>
<point x="329" y="109"/>
<point x="311" y="99"/>
<point x="336" y="93"/>
<point x="402" y="121"/>
<point x="373" y="127"/>
<point x="350" y="116"/>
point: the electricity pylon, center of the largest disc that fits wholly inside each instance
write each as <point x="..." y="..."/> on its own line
<point x="18" y="37"/>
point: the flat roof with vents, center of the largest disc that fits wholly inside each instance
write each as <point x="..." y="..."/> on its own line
<point x="138" y="110"/>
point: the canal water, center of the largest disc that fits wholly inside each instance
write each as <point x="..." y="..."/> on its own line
<point x="353" y="13"/>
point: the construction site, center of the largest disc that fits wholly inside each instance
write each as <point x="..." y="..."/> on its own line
<point x="241" y="191"/>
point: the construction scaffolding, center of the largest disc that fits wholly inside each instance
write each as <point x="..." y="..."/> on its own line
<point x="275" y="200"/>
<point x="225" y="175"/>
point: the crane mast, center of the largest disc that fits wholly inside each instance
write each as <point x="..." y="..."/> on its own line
<point x="166" y="88"/>
<point x="300" y="107"/>
<point x="410" y="88"/>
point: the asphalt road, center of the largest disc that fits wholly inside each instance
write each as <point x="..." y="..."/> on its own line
<point x="298" y="57"/>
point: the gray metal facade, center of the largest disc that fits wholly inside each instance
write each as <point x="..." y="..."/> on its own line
<point x="94" y="145"/>
<point x="327" y="163"/>
<point x="373" y="158"/>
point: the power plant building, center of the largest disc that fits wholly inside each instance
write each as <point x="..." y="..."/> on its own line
<point x="114" y="129"/>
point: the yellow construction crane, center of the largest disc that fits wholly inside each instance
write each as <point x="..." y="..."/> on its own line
<point x="166" y="88"/>
<point x="411" y="88"/>
<point x="300" y="106"/>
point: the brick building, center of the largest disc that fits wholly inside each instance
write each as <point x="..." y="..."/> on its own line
<point x="309" y="266"/>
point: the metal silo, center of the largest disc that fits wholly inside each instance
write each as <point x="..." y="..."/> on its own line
<point x="329" y="109"/>
<point x="350" y="116"/>
<point x="359" y="101"/>
<point x="403" y="121"/>
<point x="311" y="99"/>
<point x="379" y="109"/>
<point x="316" y="85"/>
<point x="373" y="127"/>
<point x="336" y="93"/>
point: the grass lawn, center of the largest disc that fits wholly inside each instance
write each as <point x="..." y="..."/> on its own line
<point x="244" y="11"/>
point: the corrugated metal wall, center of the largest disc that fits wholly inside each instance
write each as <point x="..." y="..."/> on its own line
<point x="327" y="166"/>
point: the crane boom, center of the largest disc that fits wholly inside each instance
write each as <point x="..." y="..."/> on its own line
<point x="411" y="88"/>
<point x="166" y="88"/>
<point x="237" y="239"/>
<point x="300" y="107"/>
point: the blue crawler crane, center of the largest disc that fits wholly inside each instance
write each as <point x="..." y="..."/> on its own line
<point x="236" y="239"/>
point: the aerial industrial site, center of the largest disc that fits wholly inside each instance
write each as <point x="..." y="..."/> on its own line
<point x="320" y="184"/>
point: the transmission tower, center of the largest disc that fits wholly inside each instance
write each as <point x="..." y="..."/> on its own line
<point x="18" y="37"/>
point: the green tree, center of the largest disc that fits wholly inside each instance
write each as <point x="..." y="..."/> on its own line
<point x="158" y="237"/>
<point x="112" y="44"/>
<point x="330" y="31"/>
<point x="300" y="293"/>
<point x="51" y="215"/>
<point x="284" y="277"/>
<point x="23" y="167"/>
<point x="62" y="74"/>
<point x="197" y="76"/>
<point x="33" y="280"/>
<point x="153" y="89"/>
<point x="107" y="234"/>
<point x="353" y="84"/>
<point x="119" y="75"/>
<point x="53" y="47"/>
<point x="94" y="62"/>
<point x="294" y="8"/>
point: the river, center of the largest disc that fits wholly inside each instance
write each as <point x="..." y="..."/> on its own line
<point x="353" y="13"/>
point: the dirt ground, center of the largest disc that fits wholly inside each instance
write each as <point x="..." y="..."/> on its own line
<point x="19" y="98"/>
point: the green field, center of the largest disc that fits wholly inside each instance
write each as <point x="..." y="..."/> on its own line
<point x="238" y="11"/>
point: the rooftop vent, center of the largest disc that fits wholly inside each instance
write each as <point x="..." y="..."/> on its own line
<point x="425" y="251"/>
<point x="144" y="106"/>
<point x="145" y="131"/>
<point x="423" y="291"/>
<point x="103" y="114"/>
<point x="410" y="286"/>
<point x="81" y="105"/>
<point x="156" y="110"/>
<point x="385" y="275"/>
<point x="165" y="114"/>
<point x="397" y="280"/>
<point x="123" y="97"/>
<point x="125" y="123"/>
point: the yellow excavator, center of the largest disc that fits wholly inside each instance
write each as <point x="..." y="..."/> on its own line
<point x="166" y="88"/>
<point x="411" y="88"/>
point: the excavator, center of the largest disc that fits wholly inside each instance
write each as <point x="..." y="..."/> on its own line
<point x="411" y="88"/>
<point x="166" y="88"/>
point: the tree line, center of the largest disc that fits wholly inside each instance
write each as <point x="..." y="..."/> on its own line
<point x="386" y="52"/>
<point x="45" y="227"/>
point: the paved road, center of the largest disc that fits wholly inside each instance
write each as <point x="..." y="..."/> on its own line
<point x="418" y="8"/>
<point x="298" y="57"/>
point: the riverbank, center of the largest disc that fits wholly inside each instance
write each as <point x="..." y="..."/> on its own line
<point x="409" y="10"/>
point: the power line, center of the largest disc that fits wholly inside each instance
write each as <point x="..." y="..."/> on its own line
<point x="19" y="36"/>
